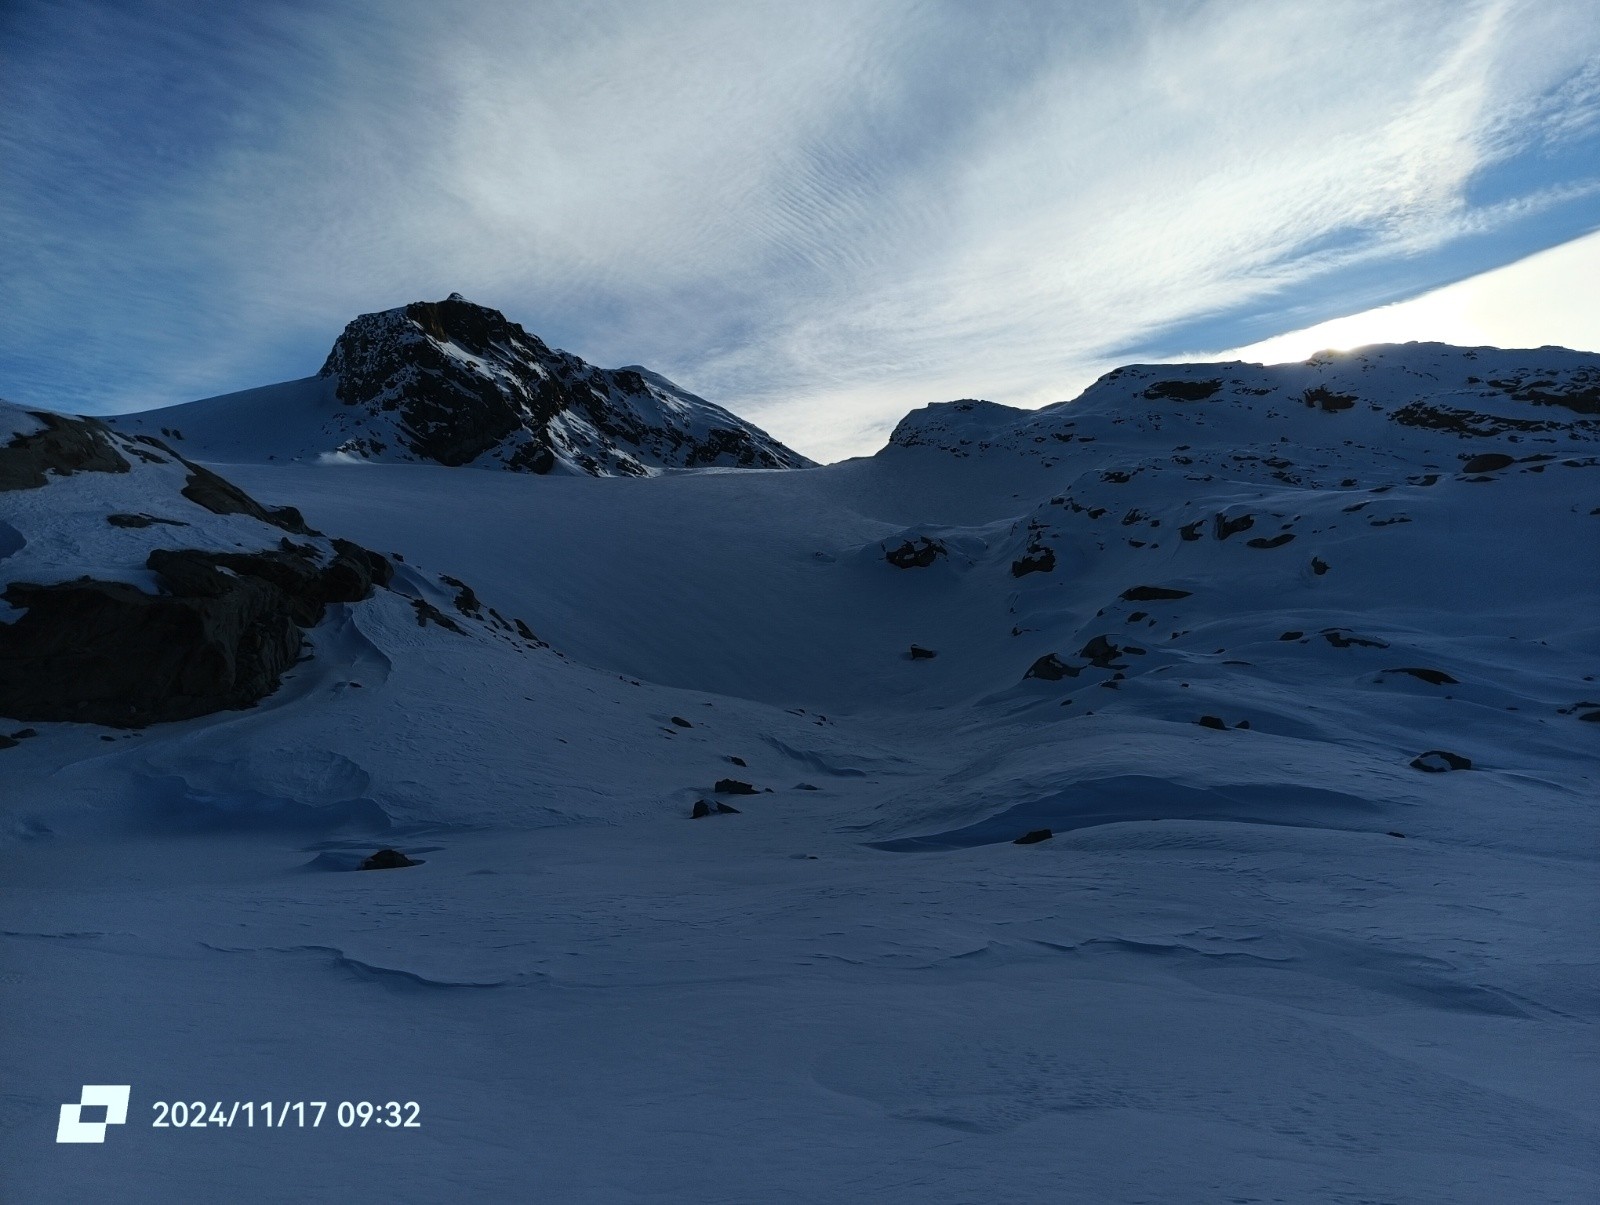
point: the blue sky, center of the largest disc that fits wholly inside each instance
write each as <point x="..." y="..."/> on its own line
<point x="820" y="215"/>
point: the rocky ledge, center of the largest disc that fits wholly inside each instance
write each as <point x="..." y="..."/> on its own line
<point x="222" y="627"/>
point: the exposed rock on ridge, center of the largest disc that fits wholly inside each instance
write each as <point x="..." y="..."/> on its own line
<point x="457" y="383"/>
<point x="223" y="627"/>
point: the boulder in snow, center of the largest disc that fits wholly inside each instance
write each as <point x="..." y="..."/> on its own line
<point x="915" y="554"/>
<point x="386" y="859"/>
<point x="1437" y="761"/>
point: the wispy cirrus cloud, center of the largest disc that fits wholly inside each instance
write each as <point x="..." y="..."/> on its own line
<point x="819" y="215"/>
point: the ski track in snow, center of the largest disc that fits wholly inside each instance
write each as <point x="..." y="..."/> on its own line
<point x="1256" y="963"/>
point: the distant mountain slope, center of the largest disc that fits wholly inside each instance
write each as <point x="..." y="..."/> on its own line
<point x="1403" y="503"/>
<point x="453" y="383"/>
<point x="1399" y="396"/>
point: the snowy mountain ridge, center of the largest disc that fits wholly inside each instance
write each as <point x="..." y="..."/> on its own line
<point x="1206" y="766"/>
<point x="454" y="383"/>
<point x="1479" y="392"/>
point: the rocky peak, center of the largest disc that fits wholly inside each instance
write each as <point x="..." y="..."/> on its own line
<point x="458" y="383"/>
<point x="372" y="339"/>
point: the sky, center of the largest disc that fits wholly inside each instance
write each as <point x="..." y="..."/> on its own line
<point x="819" y="215"/>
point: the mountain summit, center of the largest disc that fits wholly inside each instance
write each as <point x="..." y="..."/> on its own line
<point x="454" y="383"/>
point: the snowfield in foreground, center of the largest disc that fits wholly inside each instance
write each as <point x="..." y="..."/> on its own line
<point x="1300" y="666"/>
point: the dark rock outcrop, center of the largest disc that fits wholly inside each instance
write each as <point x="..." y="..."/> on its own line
<point x="222" y="497"/>
<point x="306" y="582"/>
<point x="428" y="613"/>
<point x="1037" y="559"/>
<point x="466" y="599"/>
<point x="1437" y="761"/>
<point x="1051" y="668"/>
<point x="1153" y="593"/>
<point x="1182" y="391"/>
<point x="1487" y="462"/>
<point x="1576" y="390"/>
<point x="1320" y="395"/>
<point x="220" y="636"/>
<point x="387" y="859"/>
<point x="1100" y="652"/>
<point x="1034" y="837"/>
<point x="732" y="786"/>
<point x="141" y="520"/>
<point x="108" y="653"/>
<point x="65" y="446"/>
<point x="1226" y="527"/>
<point x="1342" y="638"/>
<point x="1434" y="677"/>
<point x="915" y="554"/>
<point x="1433" y="416"/>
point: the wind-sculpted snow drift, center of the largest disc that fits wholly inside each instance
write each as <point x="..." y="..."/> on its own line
<point x="1299" y="664"/>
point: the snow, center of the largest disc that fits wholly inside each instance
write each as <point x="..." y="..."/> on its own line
<point x="1227" y="976"/>
<point x="287" y="421"/>
<point x="60" y="531"/>
<point x="15" y="422"/>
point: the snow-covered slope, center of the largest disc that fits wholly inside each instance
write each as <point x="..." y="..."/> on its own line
<point x="453" y="383"/>
<point x="1228" y="631"/>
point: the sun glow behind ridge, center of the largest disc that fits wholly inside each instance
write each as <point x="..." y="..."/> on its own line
<point x="1548" y="298"/>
